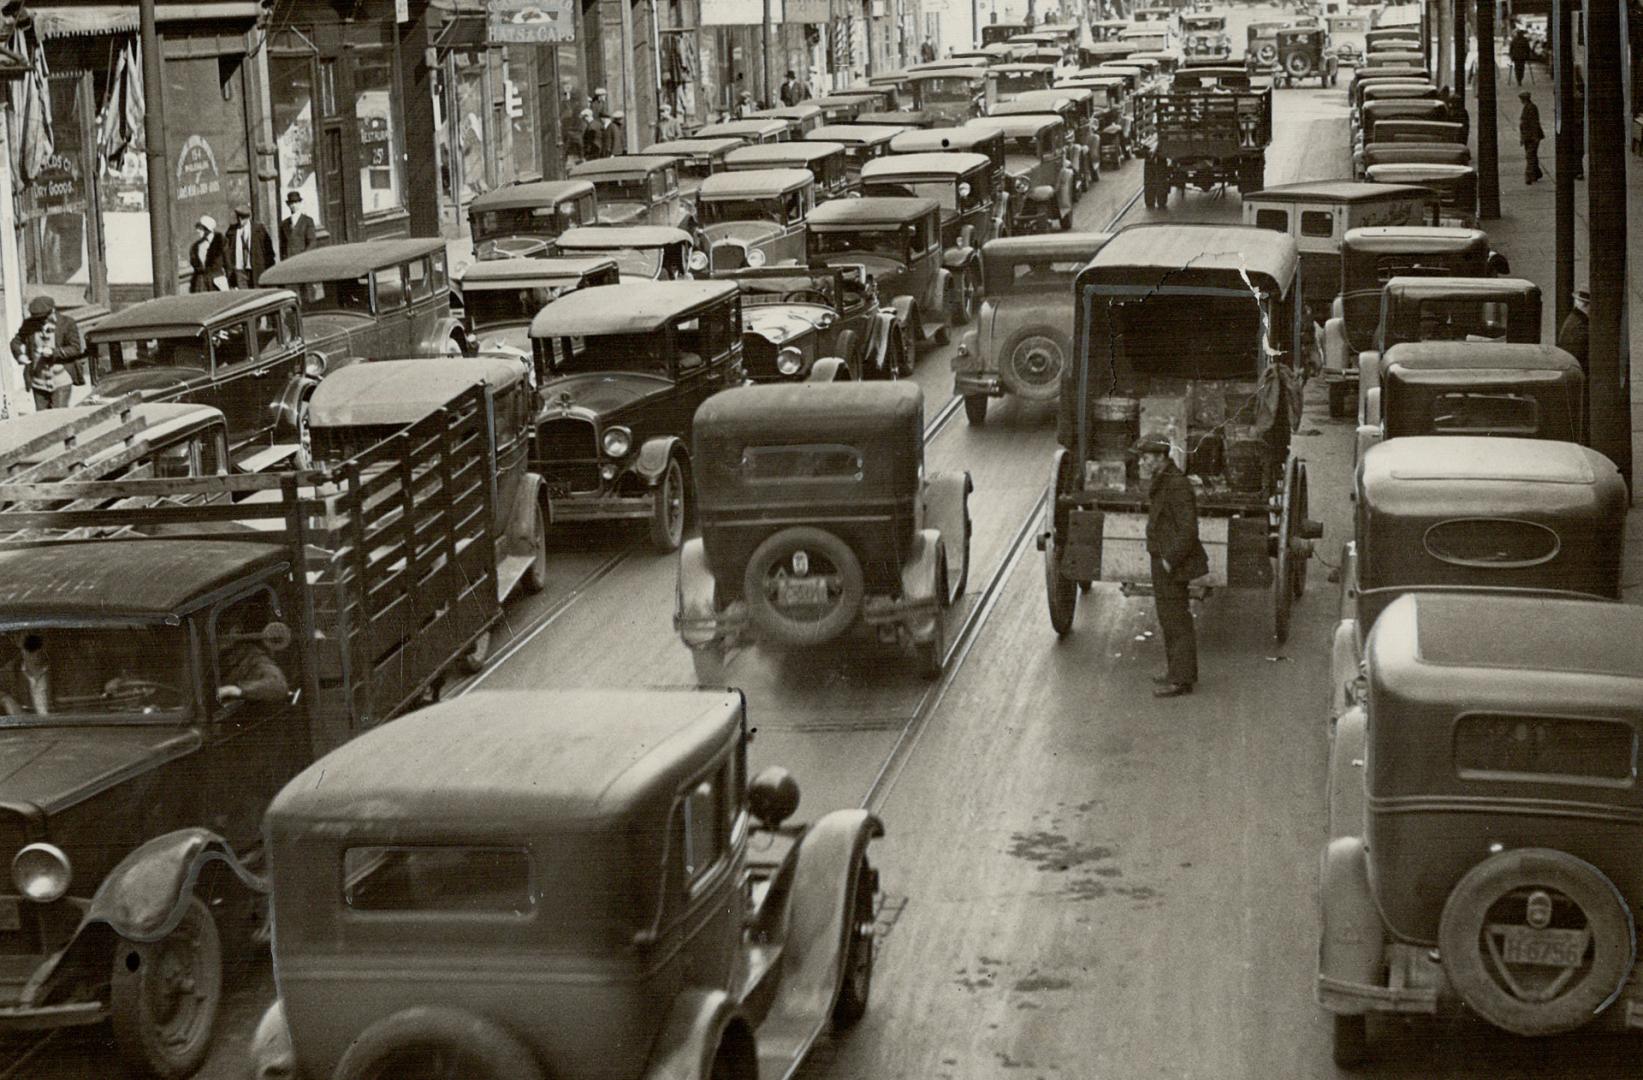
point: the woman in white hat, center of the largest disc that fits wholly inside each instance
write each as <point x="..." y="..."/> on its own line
<point x="207" y="257"/>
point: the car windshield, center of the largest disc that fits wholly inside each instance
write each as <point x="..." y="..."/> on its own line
<point x="1019" y="83"/>
<point x="522" y="221"/>
<point x="803" y="288"/>
<point x="636" y="191"/>
<point x="489" y="307"/>
<point x="1024" y="145"/>
<point x="175" y="352"/>
<point x="718" y="211"/>
<point x="1163" y="336"/>
<point x="888" y="243"/>
<point x="946" y="89"/>
<point x="632" y="261"/>
<point x="345" y="295"/>
<point x="944" y="192"/>
<point x="643" y="353"/>
<point x="65" y="673"/>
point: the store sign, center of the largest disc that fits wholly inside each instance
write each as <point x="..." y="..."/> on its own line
<point x="197" y="174"/>
<point x="738" y="12"/>
<point x="806" y="11"/>
<point x="529" y="22"/>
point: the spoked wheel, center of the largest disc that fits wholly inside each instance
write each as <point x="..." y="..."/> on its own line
<point x="1061" y="593"/>
<point x="667" y="515"/>
<point x="165" y="996"/>
<point x="1289" y="580"/>
<point x="964" y="303"/>
<point x="905" y="350"/>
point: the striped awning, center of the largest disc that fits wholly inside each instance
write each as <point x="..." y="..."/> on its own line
<point x="84" y="19"/>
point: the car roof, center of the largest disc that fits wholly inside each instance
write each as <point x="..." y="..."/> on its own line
<point x="1417" y="287"/>
<point x="797" y="151"/>
<point x="1068" y="245"/>
<point x="872" y="210"/>
<point x="945" y="163"/>
<point x="850" y="134"/>
<point x="1020" y="68"/>
<point x="403" y="391"/>
<point x="1018" y="107"/>
<point x="1054" y="93"/>
<point x="1442" y="357"/>
<point x="800" y="111"/>
<point x="1028" y="124"/>
<point x="634" y="307"/>
<point x="1459" y="647"/>
<point x="336" y="262"/>
<point x="1414" y="239"/>
<point x="512" y="762"/>
<point x="187" y="313"/>
<point x="1216" y="248"/>
<point x="1413" y="171"/>
<point x="514" y="272"/>
<point x="943" y="70"/>
<point x="843" y="409"/>
<point x="942" y="139"/>
<point x="603" y="237"/>
<point x="1337" y="191"/>
<point x="1439" y="458"/>
<point x="754" y="182"/>
<point x="141" y="577"/>
<point x="692" y="147"/>
<point x="845" y="97"/>
<point x="742" y="127"/>
<point x="621" y="165"/>
<point x="529" y="194"/>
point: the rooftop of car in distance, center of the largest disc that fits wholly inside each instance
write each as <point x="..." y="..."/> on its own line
<point x="188" y="313"/>
<point x="1013" y="126"/>
<point x="1439" y="358"/>
<point x="338" y="262"/>
<point x="1414" y="239"/>
<point x="515" y="273"/>
<point x="755" y="183"/>
<point x="104" y="580"/>
<point x="605" y="237"/>
<point x="693" y="147"/>
<point x="800" y="151"/>
<point x="530" y="194"/>
<point x="621" y="165"/>
<point x="934" y="139"/>
<point x="944" y="163"/>
<point x="638" y="307"/>
<point x="1349" y="192"/>
<point x="872" y="210"/>
<point x="1214" y="248"/>
<point x="853" y="134"/>
<point x="401" y="392"/>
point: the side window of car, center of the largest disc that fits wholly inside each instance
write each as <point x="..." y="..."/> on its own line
<point x="420" y="279"/>
<point x="390" y="287"/>
<point x="707" y="825"/>
<point x="268" y="332"/>
<point x="795" y="207"/>
<point x="1276" y="220"/>
<point x="292" y="318"/>
<point x="1319" y="223"/>
<point x="246" y="654"/>
<point x="440" y="280"/>
<point x="230" y="346"/>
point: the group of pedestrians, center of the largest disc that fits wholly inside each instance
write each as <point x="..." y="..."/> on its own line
<point x="237" y="258"/>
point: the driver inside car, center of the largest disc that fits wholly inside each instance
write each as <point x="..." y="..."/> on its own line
<point x="27" y="678"/>
<point x="247" y="670"/>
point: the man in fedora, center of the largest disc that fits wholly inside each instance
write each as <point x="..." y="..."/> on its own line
<point x="249" y="249"/>
<point x="296" y="227"/>
<point x="1530" y="135"/>
<point x="1177" y="558"/>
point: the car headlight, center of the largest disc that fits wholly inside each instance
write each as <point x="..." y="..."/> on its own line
<point x="698" y="260"/>
<point x="825" y="319"/>
<point x="41" y="872"/>
<point x="616" y="441"/>
<point x="1021" y="185"/>
<point x="789" y="360"/>
<point x="314" y="366"/>
<point x="755" y="258"/>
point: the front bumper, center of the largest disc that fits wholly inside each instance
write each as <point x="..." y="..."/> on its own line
<point x="599" y="506"/>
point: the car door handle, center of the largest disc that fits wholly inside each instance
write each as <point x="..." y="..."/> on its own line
<point x="263" y="374"/>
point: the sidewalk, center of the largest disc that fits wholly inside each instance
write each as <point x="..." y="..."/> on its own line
<point x="1525" y="234"/>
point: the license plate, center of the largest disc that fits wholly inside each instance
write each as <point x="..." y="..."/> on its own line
<point x="10" y="918"/>
<point x="1541" y="948"/>
<point x="793" y="592"/>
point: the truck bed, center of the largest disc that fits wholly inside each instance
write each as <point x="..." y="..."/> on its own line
<point x="1189" y="124"/>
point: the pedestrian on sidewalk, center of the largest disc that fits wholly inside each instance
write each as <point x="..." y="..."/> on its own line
<point x="1529" y="133"/>
<point x="1177" y="558"/>
<point x="668" y="127"/>
<point x="592" y="141"/>
<point x="1519" y="52"/>
<point x="791" y="91"/>
<point x="1574" y="115"/>
<point x="1571" y="336"/>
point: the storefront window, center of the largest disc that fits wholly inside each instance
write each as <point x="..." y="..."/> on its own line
<point x="205" y="112"/>
<point x="470" y="121"/>
<point x="381" y="185"/>
<point x="291" y="87"/>
<point x="514" y="79"/>
<point x="53" y="203"/>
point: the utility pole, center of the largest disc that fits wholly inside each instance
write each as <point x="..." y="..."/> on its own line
<point x="1564" y="127"/>
<point x="163" y="252"/>
<point x="764" y="52"/>
<point x="630" y="95"/>
<point x="1608" y="374"/>
<point x="1458" y="9"/>
<point x="1488" y="132"/>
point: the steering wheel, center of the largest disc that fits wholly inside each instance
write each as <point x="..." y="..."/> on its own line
<point x="807" y="296"/>
<point x="122" y="686"/>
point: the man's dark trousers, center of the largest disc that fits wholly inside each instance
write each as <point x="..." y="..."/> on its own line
<point x="1175" y="620"/>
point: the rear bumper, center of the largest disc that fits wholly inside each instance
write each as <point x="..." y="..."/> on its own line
<point x="600" y="507"/>
<point x="970" y="383"/>
<point x="731" y="622"/>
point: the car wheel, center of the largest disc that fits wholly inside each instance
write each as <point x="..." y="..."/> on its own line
<point x="975" y="409"/>
<point x="1266" y="54"/>
<point x="1033" y="361"/>
<point x="479" y="653"/>
<point x="709" y="662"/>
<point x="931" y="653"/>
<point x="667" y="508"/>
<point x="1299" y="67"/>
<point x="907" y="355"/>
<point x="1351" y="1040"/>
<point x="1337" y="401"/>
<point x="968" y="289"/>
<point x="164" y="996"/>
<point x="429" y="1042"/>
<point x="536" y="578"/>
<point x="1061" y="593"/>
<point x="803" y="552"/>
<point x="851" y="1005"/>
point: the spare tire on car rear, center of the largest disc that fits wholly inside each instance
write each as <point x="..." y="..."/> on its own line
<point x="436" y="1042"/>
<point x="1505" y="924"/>
<point x="1032" y="362"/>
<point x="805" y="553"/>
<point x="1299" y="66"/>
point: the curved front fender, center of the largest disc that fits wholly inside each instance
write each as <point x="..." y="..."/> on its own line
<point x="878" y="341"/>
<point x="690" y="1035"/>
<point x="287" y="407"/>
<point x="957" y="258"/>
<point x="653" y="457"/>
<point x="446" y="329"/>
<point x="144" y="897"/>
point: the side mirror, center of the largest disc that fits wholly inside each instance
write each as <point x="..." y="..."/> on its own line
<point x="773" y="796"/>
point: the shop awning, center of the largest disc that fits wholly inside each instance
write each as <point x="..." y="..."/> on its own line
<point x="56" y="22"/>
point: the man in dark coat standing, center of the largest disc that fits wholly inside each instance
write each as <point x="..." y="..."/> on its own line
<point x="1177" y="558"/>
<point x="1572" y="336"/>
<point x="1530" y="135"/>
<point x="248" y="248"/>
<point x="296" y="228"/>
<point x="1519" y="51"/>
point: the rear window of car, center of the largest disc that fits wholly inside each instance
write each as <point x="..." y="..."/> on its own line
<point x="1276" y="220"/>
<point x="817" y="461"/>
<point x="1497" y="543"/>
<point x="1465" y="413"/>
<point x="1317" y="223"/>
<point x="438" y="879"/>
<point x="1545" y="748"/>
<point x="1037" y="275"/>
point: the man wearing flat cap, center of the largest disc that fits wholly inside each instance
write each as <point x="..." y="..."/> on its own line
<point x="49" y="346"/>
<point x="249" y="249"/>
<point x="1177" y="558"/>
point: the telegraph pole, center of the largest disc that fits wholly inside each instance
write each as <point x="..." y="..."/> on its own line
<point x="163" y="253"/>
<point x="1458" y="9"/>
<point x="1488" y="134"/>
<point x="1608" y="375"/>
<point x="1564" y="129"/>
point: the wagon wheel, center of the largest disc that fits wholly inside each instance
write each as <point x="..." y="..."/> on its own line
<point x="1283" y="580"/>
<point x="1061" y="593"/>
<point x="1298" y="500"/>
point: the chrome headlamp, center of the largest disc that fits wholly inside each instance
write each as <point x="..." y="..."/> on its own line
<point x="789" y="360"/>
<point x="616" y="441"/>
<point x="41" y="872"/>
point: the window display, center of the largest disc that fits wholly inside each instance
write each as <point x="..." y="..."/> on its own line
<point x="381" y="185"/>
<point x="53" y="203"/>
<point x="205" y="107"/>
<point x="291" y="88"/>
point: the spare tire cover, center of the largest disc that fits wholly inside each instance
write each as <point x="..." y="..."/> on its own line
<point x="1537" y="941"/>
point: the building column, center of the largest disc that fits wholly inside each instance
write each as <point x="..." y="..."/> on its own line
<point x="1488" y="120"/>
<point x="1608" y="367"/>
<point x="421" y="150"/>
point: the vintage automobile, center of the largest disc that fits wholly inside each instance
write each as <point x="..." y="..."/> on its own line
<point x="971" y="214"/>
<point x="503" y="296"/>
<point x="1104" y="52"/>
<point x="1261" y="44"/>
<point x="844" y="106"/>
<point x="1456" y="185"/>
<point x="1020" y="344"/>
<point x="125" y="439"/>
<point x="1410" y="153"/>
<point x="1389" y="58"/>
<point x="523" y="220"/>
<point x="1038" y="168"/>
<point x="1480" y="813"/>
<point x="1370" y="257"/>
<point x="373" y="298"/>
<point x="817" y="324"/>
<point x="1319" y="213"/>
<point x="898" y="242"/>
<point x="801" y="119"/>
<point x="1112" y="114"/>
<point x="1347" y="33"/>
<point x="949" y="96"/>
<point x="697" y="160"/>
<point x="996" y="32"/>
<point x="1474" y="388"/>
<point x="1420" y="131"/>
<point x="1365" y="77"/>
<point x="1204" y="38"/>
<point x="1203" y="138"/>
<point x="1373" y="112"/>
<point x="689" y="932"/>
<point x="1392" y="38"/>
<point x="826" y="161"/>
<point x="862" y="143"/>
<point x="891" y="84"/>
<point x="987" y="55"/>
<point x="148" y="721"/>
<point x="1303" y="52"/>
<point x="1226" y="402"/>
<point x="1164" y="62"/>
<point x="621" y="369"/>
<point x="360" y="406"/>
<point x="1413" y="87"/>
<point x="634" y="189"/>
<point x="642" y="252"/>
<point x="959" y="140"/>
<point x="1075" y="108"/>
<point x="749" y="131"/>
<point x="1153" y="37"/>
<point x="1008" y="80"/>
<point x="241" y="351"/>
<point x="905" y="119"/>
<point x="754" y="217"/>
<point x="1103" y="31"/>
<point x="787" y="556"/>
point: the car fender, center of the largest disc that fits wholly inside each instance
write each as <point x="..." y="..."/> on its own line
<point x="1343" y="665"/>
<point x="879" y="332"/>
<point x="520" y="538"/>
<point x="827" y="370"/>
<point x="919" y="568"/>
<point x="946" y="508"/>
<point x="1351" y="941"/>
<point x="1064" y="191"/>
<point x="289" y="404"/>
<point x="271" y="1054"/>
<point x="905" y="308"/>
<point x="958" y="258"/>
<point x="1369" y="371"/>
<point x="697" y="1021"/>
<point x="808" y="908"/>
<point x="694" y="614"/>
<point x="448" y="327"/>
<point x="1334" y="345"/>
<point x="653" y="456"/>
<point x="938" y="303"/>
